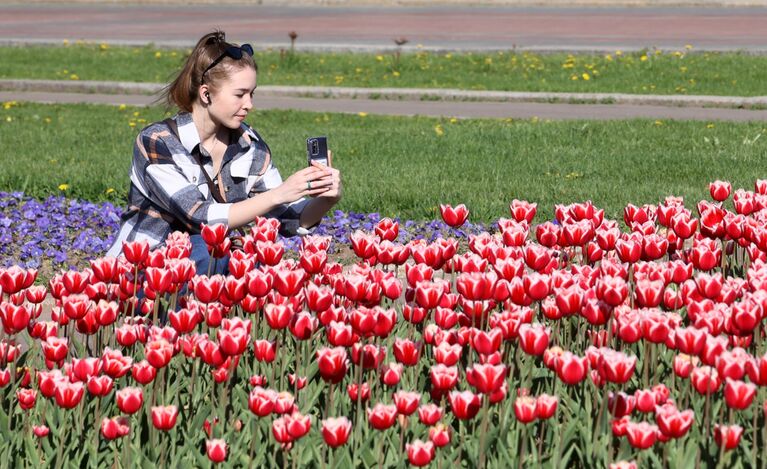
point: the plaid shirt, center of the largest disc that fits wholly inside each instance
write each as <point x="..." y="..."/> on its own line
<point x="168" y="191"/>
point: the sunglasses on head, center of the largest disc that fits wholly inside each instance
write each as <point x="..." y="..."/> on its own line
<point x="232" y="51"/>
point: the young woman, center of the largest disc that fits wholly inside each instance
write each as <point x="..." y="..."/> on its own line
<point x="179" y="163"/>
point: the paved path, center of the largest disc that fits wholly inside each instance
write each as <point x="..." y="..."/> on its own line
<point x="519" y="110"/>
<point x="437" y="27"/>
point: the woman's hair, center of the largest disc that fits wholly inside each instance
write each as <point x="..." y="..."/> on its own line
<point x="182" y="91"/>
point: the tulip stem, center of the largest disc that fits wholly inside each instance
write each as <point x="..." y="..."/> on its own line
<point x="483" y="431"/>
<point x="524" y="447"/>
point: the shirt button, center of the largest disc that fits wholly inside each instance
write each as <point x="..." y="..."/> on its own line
<point x="194" y="179"/>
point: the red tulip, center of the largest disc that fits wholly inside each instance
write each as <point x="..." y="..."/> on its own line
<point x="641" y="435"/>
<point x="487" y="379"/>
<point x="55" y="349"/>
<point x="336" y="431"/>
<point x="672" y="422"/>
<point x="387" y="229"/>
<point x="207" y="289"/>
<point x="439" y="435"/>
<point x="391" y="374"/>
<point x="14" y="279"/>
<point x="720" y="190"/>
<point x="705" y="379"/>
<point x="40" y="431"/>
<point x="164" y="417"/>
<point x="738" y="394"/>
<point x="684" y="364"/>
<point x="216" y="450"/>
<point x="525" y="409"/>
<point x="100" y="386"/>
<point x="420" y="453"/>
<point x="357" y="392"/>
<point x="68" y="395"/>
<point x="454" y="216"/>
<point x="280" y="430"/>
<point x="488" y="342"/>
<point x="261" y="401"/>
<point x="533" y="338"/>
<point x="26" y="398"/>
<point x="523" y="210"/>
<point x="184" y="320"/>
<point x="727" y="435"/>
<point x="116" y="427"/>
<point x="616" y="367"/>
<point x="129" y="400"/>
<point x="429" y="414"/>
<point x="143" y="372"/>
<point x="332" y="363"/>
<point x="382" y="416"/>
<point x="443" y="377"/>
<point x="406" y="402"/>
<point x="464" y="405"/>
<point x="571" y="368"/>
<point x="158" y="352"/>
<point x="546" y="406"/>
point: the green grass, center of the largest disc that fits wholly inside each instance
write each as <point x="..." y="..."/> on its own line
<point x="402" y="166"/>
<point x="654" y="72"/>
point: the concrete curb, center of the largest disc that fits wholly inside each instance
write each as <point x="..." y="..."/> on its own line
<point x="402" y="94"/>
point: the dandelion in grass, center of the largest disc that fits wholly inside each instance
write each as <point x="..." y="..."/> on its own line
<point x="63" y="187"/>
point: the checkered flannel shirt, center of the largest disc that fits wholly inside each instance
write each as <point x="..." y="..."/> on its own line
<point x="168" y="191"/>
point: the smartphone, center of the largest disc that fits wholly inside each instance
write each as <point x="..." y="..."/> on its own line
<point x="317" y="150"/>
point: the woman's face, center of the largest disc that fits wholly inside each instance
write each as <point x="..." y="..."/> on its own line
<point x="231" y="102"/>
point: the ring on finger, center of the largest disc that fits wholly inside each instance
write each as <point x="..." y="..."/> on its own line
<point x="308" y="185"/>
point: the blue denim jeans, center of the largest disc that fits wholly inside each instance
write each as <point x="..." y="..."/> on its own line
<point x="202" y="259"/>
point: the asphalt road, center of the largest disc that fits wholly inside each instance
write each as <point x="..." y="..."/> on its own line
<point x="435" y="27"/>
<point x="460" y="109"/>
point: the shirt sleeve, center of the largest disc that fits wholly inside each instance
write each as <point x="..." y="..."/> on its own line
<point x="288" y="214"/>
<point x="171" y="186"/>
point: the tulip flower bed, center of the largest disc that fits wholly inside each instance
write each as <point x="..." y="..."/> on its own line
<point x="572" y="343"/>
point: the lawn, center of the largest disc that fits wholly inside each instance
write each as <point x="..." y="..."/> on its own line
<point x="403" y="166"/>
<point x="648" y="72"/>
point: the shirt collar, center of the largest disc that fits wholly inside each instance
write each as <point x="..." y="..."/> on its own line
<point x="187" y="133"/>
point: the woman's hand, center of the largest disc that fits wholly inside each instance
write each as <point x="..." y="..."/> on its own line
<point x="333" y="181"/>
<point x="310" y="181"/>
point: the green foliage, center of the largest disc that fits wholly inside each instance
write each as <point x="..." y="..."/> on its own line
<point x="647" y="72"/>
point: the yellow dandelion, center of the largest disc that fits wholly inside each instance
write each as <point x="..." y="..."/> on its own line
<point x="53" y="161"/>
<point x="103" y="46"/>
<point x="710" y="125"/>
<point x="643" y="58"/>
<point x="453" y="120"/>
<point x="489" y="61"/>
<point x="586" y="77"/>
<point x="618" y="53"/>
<point x="9" y="119"/>
<point x="131" y="124"/>
<point x="357" y="70"/>
<point x="658" y="123"/>
<point x="574" y="77"/>
<point x="362" y="114"/>
<point x="448" y="56"/>
<point x="122" y="107"/>
<point x="158" y="55"/>
<point x="47" y="120"/>
<point x="438" y="130"/>
<point x="63" y="187"/>
<point x="688" y="46"/>
<point x="65" y="42"/>
<point x="379" y="58"/>
<point x="74" y="77"/>
<point x="609" y="58"/>
<point x="109" y="191"/>
<point x="135" y="113"/>
<point x="395" y="73"/>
